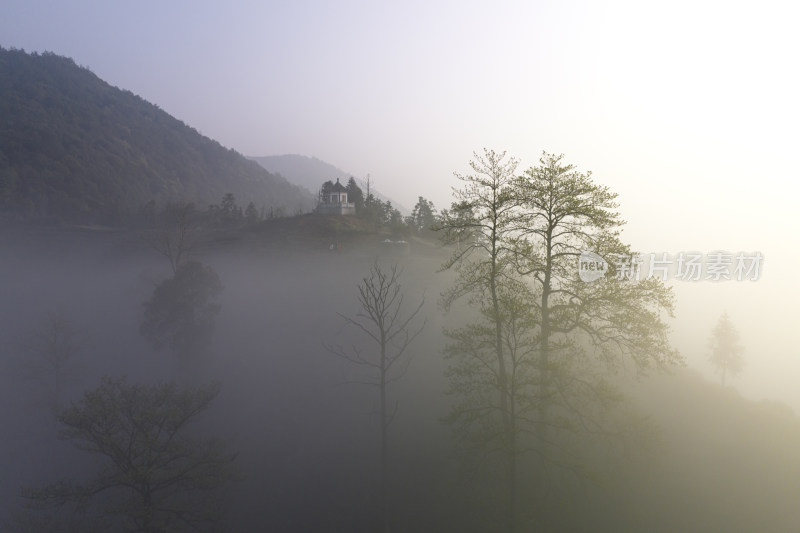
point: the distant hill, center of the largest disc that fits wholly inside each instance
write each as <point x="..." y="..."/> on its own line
<point x="75" y="149"/>
<point x="308" y="172"/>
<point x="720" y="462"/>
<point x="311" y="173"/>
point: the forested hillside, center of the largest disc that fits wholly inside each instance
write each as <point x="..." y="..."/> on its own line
<point x="74" y="149"/>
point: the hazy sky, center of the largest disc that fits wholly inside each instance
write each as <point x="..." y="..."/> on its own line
<point x="689" y="110"/>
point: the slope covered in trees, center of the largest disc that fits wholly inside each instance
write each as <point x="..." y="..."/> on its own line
<point x="75" y="149"/>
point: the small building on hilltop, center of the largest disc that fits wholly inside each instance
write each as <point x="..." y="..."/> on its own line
<point x="333" y="200"/>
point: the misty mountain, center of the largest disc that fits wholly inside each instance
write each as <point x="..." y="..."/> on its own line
<point x="308" y="172"/>
<point x="74" y="149"/>
<point x="311" y="173"/>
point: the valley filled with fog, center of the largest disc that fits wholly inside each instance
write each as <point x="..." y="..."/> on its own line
<point x="351" y="267"/>
<point x="306" y="435"/>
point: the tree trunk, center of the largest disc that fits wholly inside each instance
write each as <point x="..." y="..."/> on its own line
<point x="384" y="454"/>
<point x="503" y="391"/>
<point x="544" y="361"/>
<point x="512" y="473"/>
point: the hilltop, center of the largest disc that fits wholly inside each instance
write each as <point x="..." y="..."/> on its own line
<point x="74" y="149"/>
<point x="311" y="173"/>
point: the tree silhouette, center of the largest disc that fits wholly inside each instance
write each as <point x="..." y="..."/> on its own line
<point x="726" y="351"/>
<point x="390" y="330"/>
<point x="479" y="226"/>
<point x="155" y="476"/>
<point x="355" y="195"/>
<point x="423" y="216"/>
<point x="515" y="236"/>
<point x="174" y="233"/>
<point x="477" y="417"/>
<point x="181" y="314"/>
<point x="51" y="350"/>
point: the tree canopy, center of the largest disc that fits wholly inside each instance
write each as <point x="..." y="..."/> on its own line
<point x="181" y="314"/>
<point x="155" y="476"/>
<point x="528" y="370"/>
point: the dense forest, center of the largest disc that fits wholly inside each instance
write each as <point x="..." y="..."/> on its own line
<point x="74" y="149"/>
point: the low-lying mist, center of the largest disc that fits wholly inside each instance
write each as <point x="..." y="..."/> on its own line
<point x="306" y="429"/>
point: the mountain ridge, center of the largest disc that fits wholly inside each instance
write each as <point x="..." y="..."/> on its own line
<point x="306" y="171"/>
<point x="75" y="149"/>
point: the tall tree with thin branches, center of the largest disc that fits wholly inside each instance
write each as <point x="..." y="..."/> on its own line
<point x="492" y="449"/>
<point x="561" y="214"/>
<point x="390" y="329"/>
<point x="530" y="230"/>
<point x="479" y="229"/>
<point x="174" y="234"/>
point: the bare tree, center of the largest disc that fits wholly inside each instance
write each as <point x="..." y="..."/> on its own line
<point x="726" y="351"/>
<point x="173" y="237"/>
<point x="51" y="350"/>
<point x="390" y="331"/>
